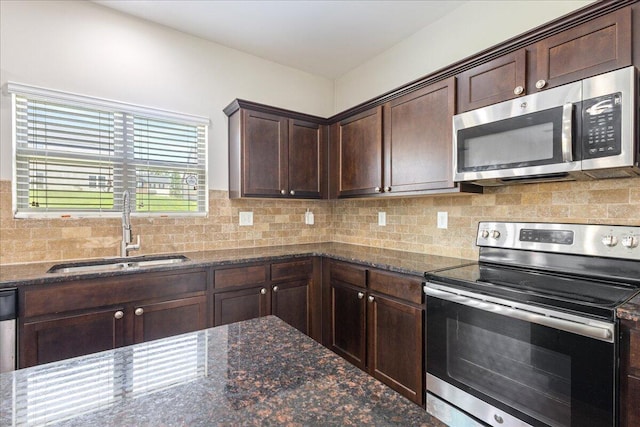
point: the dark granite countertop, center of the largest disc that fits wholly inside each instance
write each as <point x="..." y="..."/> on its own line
<point x="12" y="275"/>
<point x="631" y="310"/>
<point x="257" y="372"/>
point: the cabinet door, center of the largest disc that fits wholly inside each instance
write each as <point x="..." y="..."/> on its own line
<point x="359" y="153"/>
<point x="417" y="143"/>
<point x="597" y="46"/>
<point x="629" y="373"/>
<point x="395" y="338"/>
<point x="306" y="160"/>
<point x="348" y="323"/>
<point x="235" y="306"/>
<point x="498" y="80"/>
<point x="167" y="318"/>
<point x="290" y="302"/>
<point x="56" y="339"/>
<point x="264" y="159"/>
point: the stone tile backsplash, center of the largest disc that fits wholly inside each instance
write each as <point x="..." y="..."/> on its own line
<point x="411" y="222"/>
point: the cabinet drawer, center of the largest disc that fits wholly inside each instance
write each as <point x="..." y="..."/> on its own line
<point x="407" y="288"/>
<point x="240" y="276"/>
<point x="83" y="294"/>
<point x="634" y="348"/>
<point x="299" y="269"/>
<point x="348" y="274"/>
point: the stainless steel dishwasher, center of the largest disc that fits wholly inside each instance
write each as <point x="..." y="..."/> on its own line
<point x="8" y="315"/>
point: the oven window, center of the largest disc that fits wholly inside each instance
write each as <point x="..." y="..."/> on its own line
<point x="528" y="377"/>
<point x="539" y="374"/>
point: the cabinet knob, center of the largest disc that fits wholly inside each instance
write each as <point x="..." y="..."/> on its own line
<point x="540" y="84"/>
<point x="118" y="314"/>
<point x="387" y="188"/>
<point x="371" y="298"/>
<point x="292" y="192"/>
<point x="283" y="192"/>
<point x="275" y="288"/>
<point x="263" y="291"/>
<point x="139" y="311"/>
<point x="518" y="90"/>
<point x="360" y="295"/>
<point x="378" y="190"/>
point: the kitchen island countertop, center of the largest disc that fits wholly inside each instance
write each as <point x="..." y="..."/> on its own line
<point x="256" y="372"/>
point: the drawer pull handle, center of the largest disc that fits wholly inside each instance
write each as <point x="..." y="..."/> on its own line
<point x="139" y="311"/>
<point x="118" y="314"/>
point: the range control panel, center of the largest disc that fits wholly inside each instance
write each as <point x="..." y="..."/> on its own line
<point x="615" y="241"/>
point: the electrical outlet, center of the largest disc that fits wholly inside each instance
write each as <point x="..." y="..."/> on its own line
<point x="308" y="217"/>
<point x="246" y="218"/>
<point x="382" y="219"/>
<point x="443" y="220"/>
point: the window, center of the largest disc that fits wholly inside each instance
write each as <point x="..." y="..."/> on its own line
<point x="76" y="155"/>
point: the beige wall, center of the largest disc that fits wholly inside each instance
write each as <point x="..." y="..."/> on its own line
<point x="81" y="47"/>
<point x="470" y="28"/>
<point x="411" y="222"/>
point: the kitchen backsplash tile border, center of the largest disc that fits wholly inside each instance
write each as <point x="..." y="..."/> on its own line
<point x="411" y="222"/>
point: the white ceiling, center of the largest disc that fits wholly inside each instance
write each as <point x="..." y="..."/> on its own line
<point x="322" y="37"/>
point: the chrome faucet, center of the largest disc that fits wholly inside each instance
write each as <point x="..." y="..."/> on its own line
<point x="125" y="245"/>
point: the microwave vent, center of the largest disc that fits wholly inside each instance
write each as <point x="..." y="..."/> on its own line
<point x="611" y="173"/>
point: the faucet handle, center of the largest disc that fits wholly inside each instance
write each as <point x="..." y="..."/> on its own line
<point x="137" y="245"/>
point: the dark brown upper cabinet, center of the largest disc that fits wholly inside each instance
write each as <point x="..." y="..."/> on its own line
<point x="400" y="148"/>
<point x="417" y="139"/>
<point x="595" y="47"/>
<point x="357" y="159"/>
<point x="498" y="80"/>
<point x="272" y="154"/>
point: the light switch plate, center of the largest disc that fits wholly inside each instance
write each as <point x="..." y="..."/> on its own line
<point x="382" y="219"/>
<point x="246" y="218"/>
<point x="443" y="220"/>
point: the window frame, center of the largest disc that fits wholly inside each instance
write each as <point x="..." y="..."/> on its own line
<point x="77" y="100"/>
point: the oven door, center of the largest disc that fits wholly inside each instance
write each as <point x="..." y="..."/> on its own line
<point x="528" y="137"/>
<point x="508" y="370"/>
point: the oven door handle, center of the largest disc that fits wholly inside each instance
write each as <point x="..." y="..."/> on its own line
<point x="544" y="318"/>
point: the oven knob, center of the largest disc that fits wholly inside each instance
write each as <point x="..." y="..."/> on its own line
<point x="610" y="240"/>
<point x="484" y="234"/>
<point x="495" y="234"/>
<point x="630" y="241"/>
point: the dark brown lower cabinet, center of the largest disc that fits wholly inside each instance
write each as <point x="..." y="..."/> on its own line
<point x="395" y="345"/>
<point x="348" y="323"/>
<point x="167" y="318"/>
<point x="236" y="306"/>
<point x="71" y="336"/>
<point x="630" y="374"/>
<point x="289" y="301"/>
<point x="59" y="321"/>
<point x="283" y="289"/>
<point x="375" y="321"/>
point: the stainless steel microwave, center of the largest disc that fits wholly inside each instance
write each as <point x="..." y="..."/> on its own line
<point x="582" y="130"/>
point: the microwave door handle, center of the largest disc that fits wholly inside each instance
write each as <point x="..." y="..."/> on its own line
<point x="567" y="118"/>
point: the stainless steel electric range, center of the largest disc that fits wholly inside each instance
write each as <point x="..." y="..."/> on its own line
<point x="528" y="335"/>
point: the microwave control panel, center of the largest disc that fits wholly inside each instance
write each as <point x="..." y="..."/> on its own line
<point x="601" y="121"/>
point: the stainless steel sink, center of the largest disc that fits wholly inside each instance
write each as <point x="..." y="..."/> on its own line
<point x="118" y="264"/>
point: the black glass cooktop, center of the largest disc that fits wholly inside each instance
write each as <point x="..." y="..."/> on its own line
<point x="580" y="295"/>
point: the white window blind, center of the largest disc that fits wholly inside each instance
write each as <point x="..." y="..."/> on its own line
<point x="75" y="155"/>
